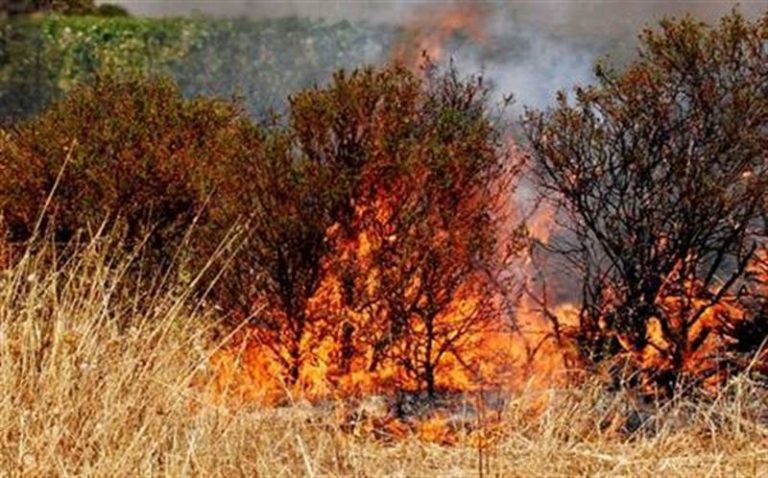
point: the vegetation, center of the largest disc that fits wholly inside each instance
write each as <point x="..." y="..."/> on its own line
<point x="283" y="200"/>
<point x="175" y="264"/>
<point x="261" y="61"/>
<point x="426" y="166"/>
<point x="661" y="171"/>
<point x="43" y="58"/>
<point x="88" y="387"/>
<point x="380" y="157"/>
<point x="129" y="152"/>
<point x="67" y="7"/>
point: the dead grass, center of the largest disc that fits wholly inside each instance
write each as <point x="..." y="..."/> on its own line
<point x="97" y="379"/>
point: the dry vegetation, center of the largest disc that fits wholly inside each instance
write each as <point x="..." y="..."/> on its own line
<point x="347" y="293"/>
<point x="100" y="377"/>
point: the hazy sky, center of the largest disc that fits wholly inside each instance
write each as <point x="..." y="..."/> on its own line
<point x="592" y="11"/>
<point x="619" y="18"/>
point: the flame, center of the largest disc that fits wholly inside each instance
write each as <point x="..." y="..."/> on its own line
<point x="690" y="339"/>
<point x="541" y="224"/>
<point x="430" y="30"/>
<point x="500" y="357"/>
<point x="502" y="354"/>
<point x="500" y="360"/>
<point x="532" y="348"/>
<point x="436" y="429"/>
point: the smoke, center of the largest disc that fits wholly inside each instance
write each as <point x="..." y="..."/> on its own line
<point x="531" y="63"/>
<point x="531" y="49"/>
<point x="605" y="15"/>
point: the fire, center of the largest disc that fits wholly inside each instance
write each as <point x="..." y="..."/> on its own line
<point x="342" y="357"/>
<point x="432" y="29"/>
<point x="342" y="362"/>
<point x="474" y="345"/>
<point x="541" y="224"/>
<point x="350" y="350"/>
<point x="436" y="429"/>
<point x="691" y="336"/>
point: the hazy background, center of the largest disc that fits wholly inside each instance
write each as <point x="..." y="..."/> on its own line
<point x="596" y="15"/>
<point x="529" y="48"/>
<point x="263" y="50"/>
<point x="347" y="8"/>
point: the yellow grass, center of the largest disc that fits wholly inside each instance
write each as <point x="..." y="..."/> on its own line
<point x="99" y="380"/>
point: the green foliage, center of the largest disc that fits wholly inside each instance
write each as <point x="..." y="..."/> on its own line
<point x="45" y="57"/>
<point x="263" y="61"/>
<point x="260" y="60"/>
<point x="79" y="47"/>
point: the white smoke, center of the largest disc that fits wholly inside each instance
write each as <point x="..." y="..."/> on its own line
<point x="533" y="49"/>
<point x="604" y="16"/>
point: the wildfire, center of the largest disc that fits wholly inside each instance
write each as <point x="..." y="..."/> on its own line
<point x="432" y="29"/>
<point x="342" y="362"/>
<point x="473" y="345"/>
<point x="354" y="348"/>
<point x="690" y="337"/>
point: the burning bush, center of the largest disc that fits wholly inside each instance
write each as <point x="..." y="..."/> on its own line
<point x="130" y="153"/>
<point x="660" y="170"/>
<point x="371" y="231"/>
<point x="358" y="237"/>
<point x="280" y="206"/>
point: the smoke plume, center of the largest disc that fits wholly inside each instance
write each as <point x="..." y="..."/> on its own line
<point x="529" y="49"/>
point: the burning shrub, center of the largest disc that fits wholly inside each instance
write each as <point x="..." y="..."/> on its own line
<point x="660" y="170"/>
<point x="370" y="229"/>
<point x="280" y="206"/>
<point x="421" y="283"/>
<point x="296" y="186"/>
<point x="358" y="237"/>
<point x="747" y="339"/>
<point x="129" y="153"/>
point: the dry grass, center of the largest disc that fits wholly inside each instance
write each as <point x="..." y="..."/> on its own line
<point x="98" y="380"/>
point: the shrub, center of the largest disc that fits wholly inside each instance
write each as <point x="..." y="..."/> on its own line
<point x="296" y="183"/>
<point x="410" y="165"/>
<point x="661" y="172"/>
<point x="381" y="156"/>
<point x="424" y="163"/>
<point x="263" y="60"/>
<point x="130" y="152"/>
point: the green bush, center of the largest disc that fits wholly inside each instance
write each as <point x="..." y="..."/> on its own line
<point x="41" y="59"/>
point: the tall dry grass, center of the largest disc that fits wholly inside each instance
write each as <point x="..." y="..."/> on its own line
<point x="100" y="377"/>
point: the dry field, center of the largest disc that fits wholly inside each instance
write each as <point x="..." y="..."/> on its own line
<point x="97" y="380"/>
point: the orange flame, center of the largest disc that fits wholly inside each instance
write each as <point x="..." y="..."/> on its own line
<point x="498" y="357"/>
<point x="431" y="29"/>
<point x="510" y="354"/>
